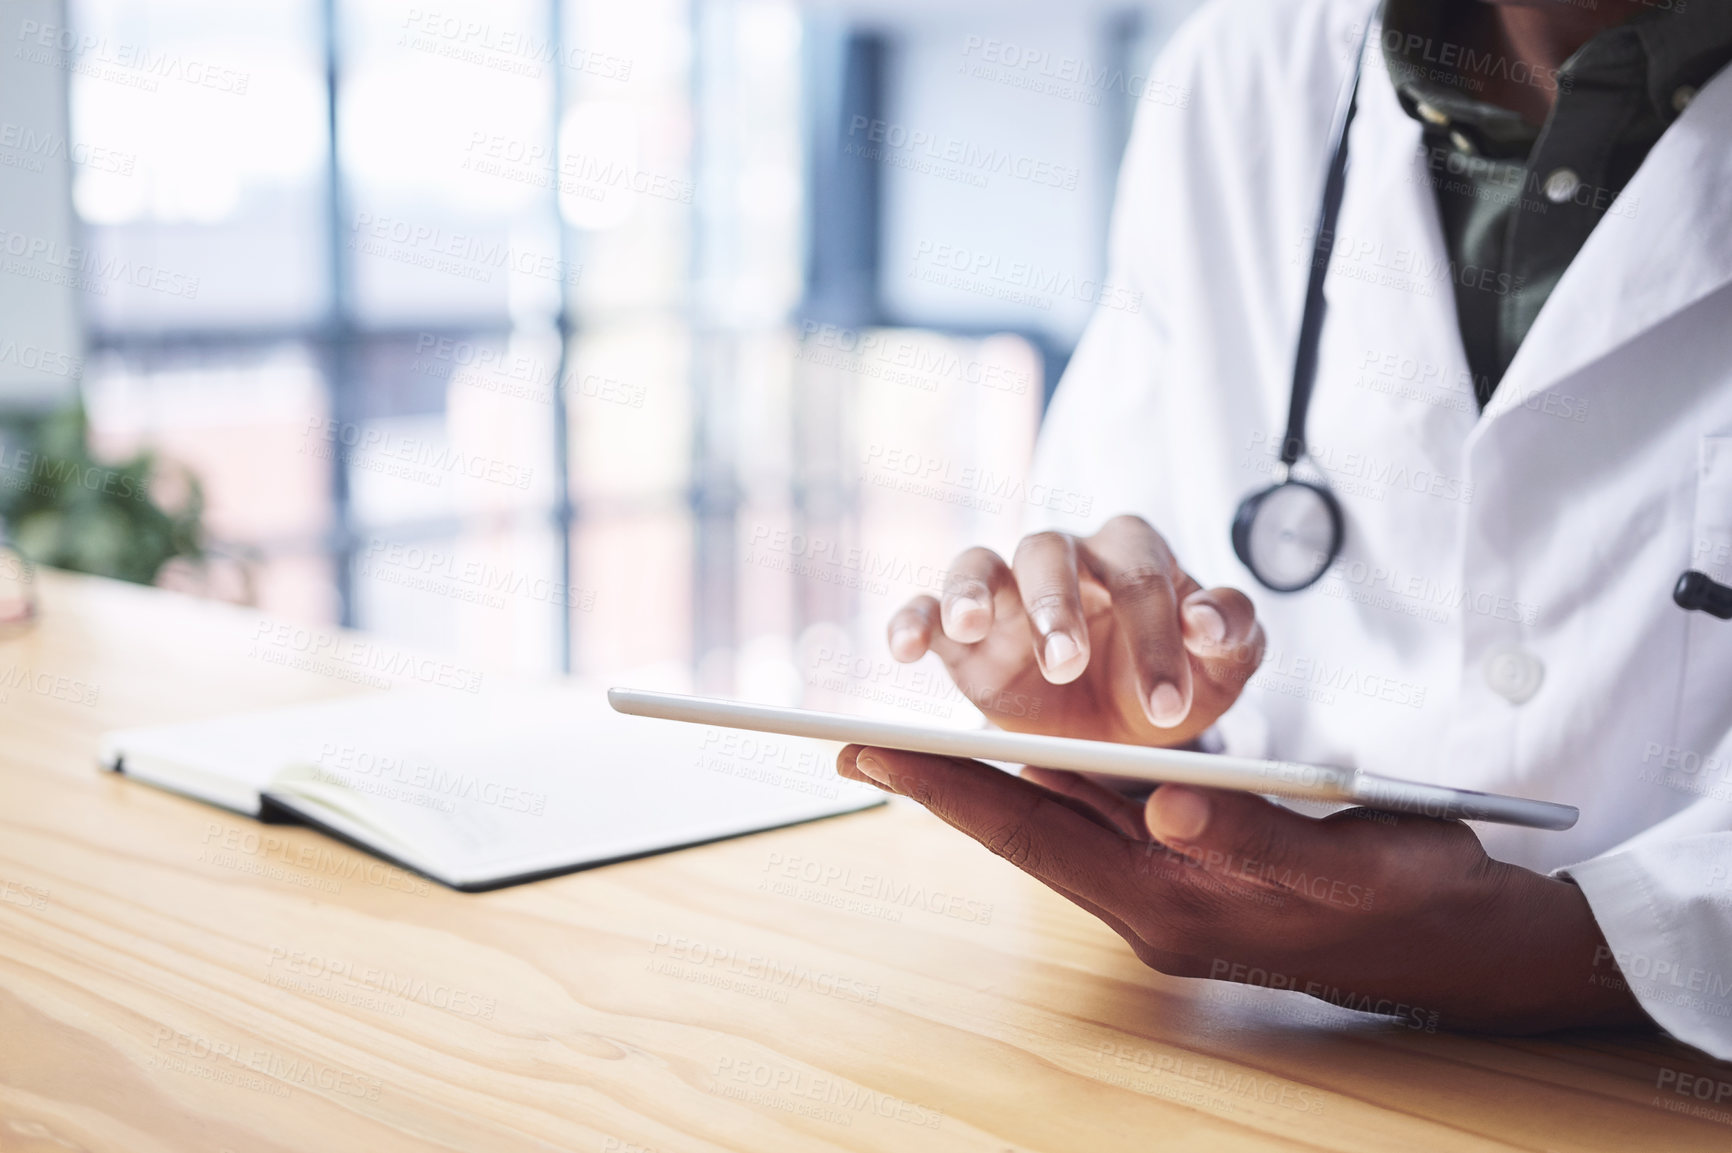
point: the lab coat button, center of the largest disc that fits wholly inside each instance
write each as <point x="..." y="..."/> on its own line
<point x="1561" y="185"/>
<point x="1514" y="674"/>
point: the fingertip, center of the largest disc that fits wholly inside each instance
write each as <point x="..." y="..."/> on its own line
<point x="967" y="618"/>
<point x="845" y="762"/>
<point x="872" y="766"/>
<point x="1166" y="706"/>
<point x="1177" y="815"/>
<point x="1229" y="600"/>
<point x="1237" y="650"/>
<point x="1237" y="614"/>
<point x="1203" y="624"/>
<point x="1062" y="659"/>
<point x="907" y="644"/>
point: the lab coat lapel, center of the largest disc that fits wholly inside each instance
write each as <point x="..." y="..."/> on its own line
<point x="1665" y="244"/>
<point x="1391" y="298"/>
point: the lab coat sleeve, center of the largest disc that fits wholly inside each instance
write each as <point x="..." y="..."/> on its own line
<point x="1663" y="899"/>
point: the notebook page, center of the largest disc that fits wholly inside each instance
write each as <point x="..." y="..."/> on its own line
<point x="524" y="779"/>
<point x="227" y="760"/>
<point x="546" y="778"/>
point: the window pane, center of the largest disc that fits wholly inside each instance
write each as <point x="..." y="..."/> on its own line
<point x="446" y="146"/>
<point x="490" y="593"/>
<point x="423" y="448"/>
<point x="750" y="119"/>
<point x="636" y="575"/>
<point x="629" y="396"/>
<point x="203" y="127"/>
<point x="626" y="138"/>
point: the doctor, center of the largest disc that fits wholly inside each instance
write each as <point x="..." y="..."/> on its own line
<point x="1522" y="410"/>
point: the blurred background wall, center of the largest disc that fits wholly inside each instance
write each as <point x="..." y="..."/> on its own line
<point x="562" y="334"/>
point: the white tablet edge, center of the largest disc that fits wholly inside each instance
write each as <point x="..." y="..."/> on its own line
<point x="1169" y="766"/>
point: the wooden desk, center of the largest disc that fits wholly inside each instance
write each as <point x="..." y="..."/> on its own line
<point x="173" y="978"/>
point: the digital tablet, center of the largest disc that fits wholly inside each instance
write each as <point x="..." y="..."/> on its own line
<point x="1168" y="766"/>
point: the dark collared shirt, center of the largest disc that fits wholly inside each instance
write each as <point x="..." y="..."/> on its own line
<point x="1518" y="200"/>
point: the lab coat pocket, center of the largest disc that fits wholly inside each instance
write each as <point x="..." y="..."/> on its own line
<point x="1705" y="700"/>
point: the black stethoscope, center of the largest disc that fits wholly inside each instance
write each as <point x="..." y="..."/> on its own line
<point x="1291" y="532"/>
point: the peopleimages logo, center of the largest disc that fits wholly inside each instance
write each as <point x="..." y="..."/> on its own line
<point x="1702" y="1088"/>
<point x="1375" y="261"/>
<point x="472" y="579"/>
<point x="1015" y="281"/>
<point x="43" y="475"/>
<point x="944" y="478"/>
<point x="132" y="64"/>
<point x="413" y="458"/>
<point x="873" y="886"/>
<point x="823" y="1097"/>
<point x="29" y="148"/>
<point x="1412" y="1016"/>
<point x="1227" y="1081"/>
<point x="174" y="1049"/>
<point x="758" y="967"/>
<point x="868" y="136"/>
<point x="459" y="254"/>
<point x="1462" y="66"/>
<point x="575" y="173"/>
<point x="488" y="368"/>
<point x="356" y="768"/>
<point x="899" y="357"/>
<point x="503" y="49"/>
<point x="39" y="359"/>
<point x="1065" y="77"/>
<point x="55" y="686"/>
<point x="352" y="658"/>
<point x="316" y="967"/>
<point x="50" y="261"/>
<point x="22" y="895"/>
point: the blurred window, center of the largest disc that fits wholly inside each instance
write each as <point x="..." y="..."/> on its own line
<point x="485" y="328"/>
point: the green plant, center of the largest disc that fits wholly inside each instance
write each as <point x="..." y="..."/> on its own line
<point x="64" y="508"/>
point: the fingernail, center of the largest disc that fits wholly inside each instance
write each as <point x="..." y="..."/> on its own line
<point x="1060" y="650"/>
<point x="1166" y="706"/>
<point x="1208" y="621"/>
<point x="963" y="608"/>
<point x="1180" y="814"/>
<point x="874" y="768"/>
<point x="904" y="643"/>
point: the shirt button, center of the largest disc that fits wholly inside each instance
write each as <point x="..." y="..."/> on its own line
<point x="1514" y="674"/>
<point x="1432" y="114"/>
<point x="1681" y="97"/>
<point x="1561" y="185"/>
<point x="1463" y="143"/>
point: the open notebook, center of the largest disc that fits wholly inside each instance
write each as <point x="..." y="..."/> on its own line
<point x="482" y="791"/>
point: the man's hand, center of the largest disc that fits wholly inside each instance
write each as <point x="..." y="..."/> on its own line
<point x="1404" y="916"/>
<point x="1107" y="633"/>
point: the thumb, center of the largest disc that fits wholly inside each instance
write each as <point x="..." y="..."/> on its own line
<point x="1247" y="837"/>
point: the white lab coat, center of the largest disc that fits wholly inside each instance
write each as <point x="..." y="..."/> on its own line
<point x="1550" y="530"/>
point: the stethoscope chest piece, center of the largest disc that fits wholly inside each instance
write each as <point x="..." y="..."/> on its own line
<point x="1288" y="534"/>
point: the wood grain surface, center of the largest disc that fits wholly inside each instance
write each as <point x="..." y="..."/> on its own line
<point x="175" y="978"/>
